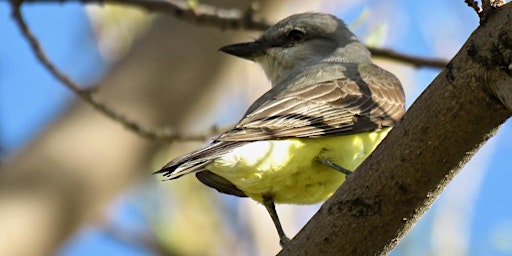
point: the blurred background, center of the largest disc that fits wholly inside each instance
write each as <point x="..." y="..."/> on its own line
<point x="73" y="182"/>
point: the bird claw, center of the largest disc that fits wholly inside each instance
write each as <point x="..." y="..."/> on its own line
<point x="336" y="167"/>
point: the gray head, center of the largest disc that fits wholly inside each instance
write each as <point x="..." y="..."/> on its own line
<point x="301" y="40"/>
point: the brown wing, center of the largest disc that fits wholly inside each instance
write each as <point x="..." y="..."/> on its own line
<point x="364" y="98"/>
<point x="352" y="98"/>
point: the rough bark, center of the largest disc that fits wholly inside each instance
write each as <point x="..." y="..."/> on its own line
<point x="83" y="160"/>
<point x="457" y="113"/>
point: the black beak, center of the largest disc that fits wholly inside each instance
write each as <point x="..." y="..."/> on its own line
<point x="247" y="51"/>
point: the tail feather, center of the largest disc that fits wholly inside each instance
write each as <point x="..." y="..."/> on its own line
<point x="173" y="171"/>
<point x="196" y="160"/>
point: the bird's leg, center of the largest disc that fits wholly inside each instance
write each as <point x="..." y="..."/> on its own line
<point x="336" y="167"/>
<point x="268" y="202"/>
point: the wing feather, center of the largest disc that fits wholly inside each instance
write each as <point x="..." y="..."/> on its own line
<point x="355" y="102"/>
<point x="327" y="100"/>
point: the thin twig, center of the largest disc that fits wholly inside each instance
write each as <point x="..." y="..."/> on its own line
<point x="207" y="15"/>
<point x="409" y="59"/>
<point x="90" y="98"/>
<point x="202" y="14"/>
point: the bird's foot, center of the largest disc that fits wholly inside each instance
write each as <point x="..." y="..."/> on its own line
<point x="336" y="167"/>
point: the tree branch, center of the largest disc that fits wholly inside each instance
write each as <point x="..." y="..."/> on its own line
<point x="440" y="132"/>
<point x="207" y="15"/>
<point x="409" y="59"/>
<point x="81" y="161"/>
<point x="89" y="97"/>
<point x="203" y="14"/>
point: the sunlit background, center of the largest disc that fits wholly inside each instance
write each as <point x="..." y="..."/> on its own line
<point x="473" y="216"/>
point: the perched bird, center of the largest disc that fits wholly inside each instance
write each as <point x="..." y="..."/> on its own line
<point x="327" y="110"/>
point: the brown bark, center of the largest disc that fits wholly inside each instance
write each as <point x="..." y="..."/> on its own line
<point x="68" y="174"/>
<point x="457" y="113"/>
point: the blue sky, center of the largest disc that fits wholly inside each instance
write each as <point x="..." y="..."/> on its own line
<point x="29" y="96"/>
<point x="30" y="99"/>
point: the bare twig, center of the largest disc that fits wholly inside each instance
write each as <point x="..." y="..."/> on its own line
<point x="409" y="59"/>
<point x="203" y="14"/>
<point x="90" y="98"/>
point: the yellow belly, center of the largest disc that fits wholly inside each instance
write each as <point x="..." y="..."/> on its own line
<point x="289" y="170"/>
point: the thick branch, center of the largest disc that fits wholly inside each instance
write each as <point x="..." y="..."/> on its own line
<point x="388" y="193"/>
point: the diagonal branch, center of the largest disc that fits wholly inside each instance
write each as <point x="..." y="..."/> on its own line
<point x="89" y="97"/>
<point x="400" y="180"/>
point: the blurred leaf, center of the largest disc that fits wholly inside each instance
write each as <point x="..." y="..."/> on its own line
<point x="377" y="37"/>
<point x="116" y="27"/>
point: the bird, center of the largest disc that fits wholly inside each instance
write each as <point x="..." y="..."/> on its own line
<point x="328" y="108"/>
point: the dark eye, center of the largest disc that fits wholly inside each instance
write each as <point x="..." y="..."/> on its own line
<point x="295" y="35"/>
